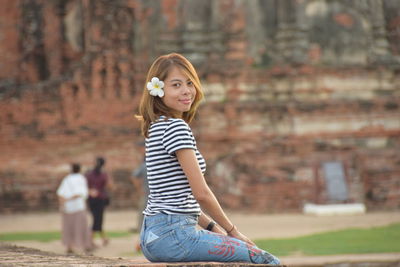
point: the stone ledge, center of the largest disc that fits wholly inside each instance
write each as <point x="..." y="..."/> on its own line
<point x="11" y="255"/>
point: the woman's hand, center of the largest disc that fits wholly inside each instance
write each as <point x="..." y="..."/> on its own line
<point x="236" y="234"/>
<point x="61" y="203"/>
<point x="93" y="192"/>
<point x="218" y="229"/>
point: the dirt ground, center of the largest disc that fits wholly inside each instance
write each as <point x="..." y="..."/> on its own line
<point x="254" y="226"/>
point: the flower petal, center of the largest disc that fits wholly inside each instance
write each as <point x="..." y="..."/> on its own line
<point x="150" y="86"/>
<point x="154" y="80"/>
<point x="153" y="92"/>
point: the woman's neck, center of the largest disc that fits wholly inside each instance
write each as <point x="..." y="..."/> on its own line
<point x="176" y="115"/>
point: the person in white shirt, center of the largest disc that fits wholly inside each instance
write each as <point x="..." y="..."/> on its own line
<point x="72" y="194"/>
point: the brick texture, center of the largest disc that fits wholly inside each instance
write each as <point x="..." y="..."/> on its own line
<point x="282" y="96"/>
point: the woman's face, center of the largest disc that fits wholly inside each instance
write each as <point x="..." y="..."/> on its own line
<point x="179" y="91"/>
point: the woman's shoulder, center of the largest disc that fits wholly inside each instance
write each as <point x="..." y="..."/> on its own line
<point x="177" y="125"/>
<point x="76" y="176"/>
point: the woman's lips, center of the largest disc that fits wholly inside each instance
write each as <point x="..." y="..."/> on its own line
<point x="186" y="101"/>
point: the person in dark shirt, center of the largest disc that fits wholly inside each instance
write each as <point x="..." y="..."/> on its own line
<point x="98" y="183"/>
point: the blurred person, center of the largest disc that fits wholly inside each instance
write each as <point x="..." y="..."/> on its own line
<point x="179" y="196"/>
<point x="99" y="183"/>
<point x="72" y="194"/>
<point x="139" y="181"/>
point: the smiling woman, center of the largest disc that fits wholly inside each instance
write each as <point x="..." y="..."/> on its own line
<point x="179" y="92"/>
<point x="179" y="197"/>
<point x="166" y="73"/>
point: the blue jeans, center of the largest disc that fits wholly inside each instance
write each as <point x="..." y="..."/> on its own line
<point x="174" y="238"/>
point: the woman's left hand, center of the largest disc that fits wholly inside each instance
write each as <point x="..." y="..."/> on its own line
<point x="93" y="192"/>
<point x="236" y="234"/>
<point x="217" y="229"/>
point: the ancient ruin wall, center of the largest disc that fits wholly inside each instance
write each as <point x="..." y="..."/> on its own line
<point x="289" y="86"/>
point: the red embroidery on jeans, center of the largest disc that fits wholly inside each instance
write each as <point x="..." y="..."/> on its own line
<point x="253" y="250"/>
<point x="227" y="248"/>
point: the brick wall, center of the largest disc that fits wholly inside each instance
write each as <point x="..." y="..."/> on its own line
<point x="282" y="95"/>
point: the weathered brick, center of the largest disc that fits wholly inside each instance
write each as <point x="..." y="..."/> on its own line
<point x="267" y="123"/>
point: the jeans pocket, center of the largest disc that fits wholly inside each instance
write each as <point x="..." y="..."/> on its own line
<point x="191" y="221"/>
<point x="165" y="247"/>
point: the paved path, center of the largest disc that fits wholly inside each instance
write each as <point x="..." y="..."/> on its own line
<point x="254" y="225"/>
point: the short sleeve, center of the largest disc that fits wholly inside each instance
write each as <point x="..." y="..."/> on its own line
<point x="178" y="135"/>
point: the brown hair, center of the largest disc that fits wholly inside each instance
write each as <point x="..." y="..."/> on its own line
<point x="152" y="107"/>
<point x="75" y="168"/>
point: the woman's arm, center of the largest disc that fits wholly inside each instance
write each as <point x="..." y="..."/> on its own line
<point x="204" y="195"/>
<point x="61" y="202"/>
<point x="110" y="183"/>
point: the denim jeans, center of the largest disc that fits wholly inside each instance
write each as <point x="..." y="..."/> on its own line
<point x="175" y="238"/>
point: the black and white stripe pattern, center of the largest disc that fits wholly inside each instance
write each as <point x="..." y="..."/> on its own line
<point x="169" y="188"/>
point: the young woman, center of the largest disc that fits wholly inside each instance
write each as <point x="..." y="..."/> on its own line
<point x="179" y="196"/>
<point x="98" y="183"/>
<point x="72" y="194"/>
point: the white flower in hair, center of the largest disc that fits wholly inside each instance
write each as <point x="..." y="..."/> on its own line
<point x="155" y="86"/>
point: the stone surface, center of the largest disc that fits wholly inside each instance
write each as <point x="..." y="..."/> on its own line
<point x="11" y="255"/>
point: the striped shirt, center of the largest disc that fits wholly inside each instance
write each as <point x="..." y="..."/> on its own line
<point x="170" y="192"/>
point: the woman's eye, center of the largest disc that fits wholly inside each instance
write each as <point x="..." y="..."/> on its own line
<point x="190" y="83"/>
<point x="176" y="85"/>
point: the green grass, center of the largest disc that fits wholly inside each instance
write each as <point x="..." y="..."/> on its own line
<point x="47" y="236"/>
<point x="350" y="241"/>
